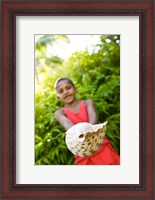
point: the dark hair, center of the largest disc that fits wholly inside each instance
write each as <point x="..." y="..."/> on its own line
<point x="63" y="79"/>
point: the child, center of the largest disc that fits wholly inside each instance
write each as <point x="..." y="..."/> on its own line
<point x="75" y="112"/>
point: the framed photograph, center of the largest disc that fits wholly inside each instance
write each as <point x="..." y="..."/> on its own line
<point x="58" y="57"/>
<point x="133" y="21"/>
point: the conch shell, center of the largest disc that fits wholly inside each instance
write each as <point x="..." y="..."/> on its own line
<point x="84" y="139"/>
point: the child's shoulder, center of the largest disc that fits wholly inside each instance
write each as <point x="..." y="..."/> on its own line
<point x="89" y="101"/>
<point x="59" y="112"/>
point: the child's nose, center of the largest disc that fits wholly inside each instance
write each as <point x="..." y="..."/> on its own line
<point x="65" y="91"/>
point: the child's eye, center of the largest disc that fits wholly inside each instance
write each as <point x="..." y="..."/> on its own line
<point x="60" y="91"/>
<point x="68" y="87"/>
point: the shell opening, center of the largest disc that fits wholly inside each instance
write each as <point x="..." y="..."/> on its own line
<point x="81" y="136"/>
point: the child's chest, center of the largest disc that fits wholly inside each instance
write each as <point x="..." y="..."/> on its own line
<point x="75" y="109"/>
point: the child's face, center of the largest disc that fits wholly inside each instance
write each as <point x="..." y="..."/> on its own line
<point x="66" y="92"/>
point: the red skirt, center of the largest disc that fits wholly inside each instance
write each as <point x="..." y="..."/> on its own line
<point x="104" y="156"/>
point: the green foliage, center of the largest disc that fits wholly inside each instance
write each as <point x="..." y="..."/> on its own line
<point x="50" y="147"/>
<point x="96" y="75"/>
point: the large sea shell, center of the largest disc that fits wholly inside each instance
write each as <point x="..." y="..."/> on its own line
<point x="84" y="139"/>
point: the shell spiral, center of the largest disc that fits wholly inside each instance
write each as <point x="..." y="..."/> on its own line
<point x="84" y="139"/>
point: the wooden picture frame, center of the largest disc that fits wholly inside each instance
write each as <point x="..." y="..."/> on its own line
<point x="12" y="8"/>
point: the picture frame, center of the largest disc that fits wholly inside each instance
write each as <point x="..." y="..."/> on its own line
<point x="11" y="9"/>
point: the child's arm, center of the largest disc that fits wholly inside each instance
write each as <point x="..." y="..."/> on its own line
<point x="63" y="120"/>
<point x="91" y="111"/>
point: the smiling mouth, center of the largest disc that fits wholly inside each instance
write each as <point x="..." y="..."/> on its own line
<point x="66" y="97"/>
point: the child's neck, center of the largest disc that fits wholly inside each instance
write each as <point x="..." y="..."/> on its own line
<point x="73" y="104"/>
